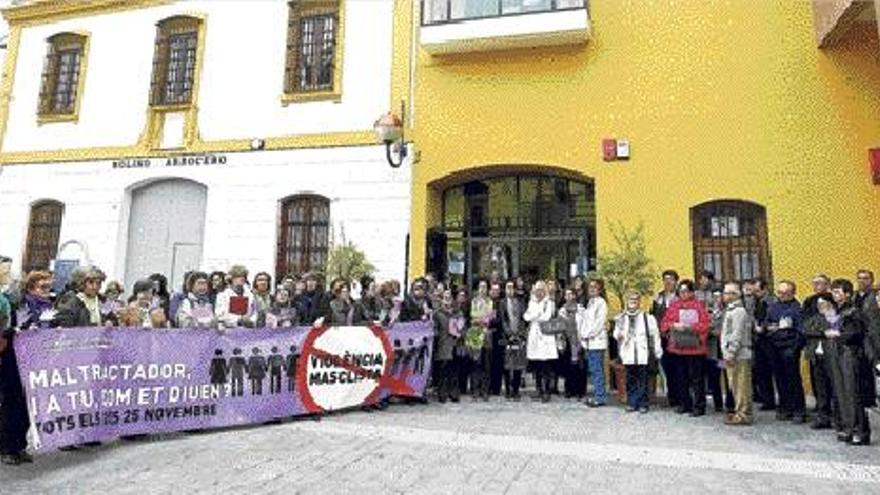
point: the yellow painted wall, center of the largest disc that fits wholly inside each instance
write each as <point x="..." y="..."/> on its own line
<point x="719" y="98"/>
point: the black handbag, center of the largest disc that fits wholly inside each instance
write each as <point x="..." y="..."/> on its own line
<point x="685" y="339"/>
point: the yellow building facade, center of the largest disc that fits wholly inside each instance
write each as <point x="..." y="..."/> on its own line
<point x="748" y="143"/>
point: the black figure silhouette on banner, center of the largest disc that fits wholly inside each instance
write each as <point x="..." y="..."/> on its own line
<point x="276" y="367"/>
<point x="237" y="366"/>
<point x="410" y="354"/>
<point x="219" y="369"/>
<point x="423" y="357"/>
<point x="290" y="364"/>
<point x="256" y="365"/>
<point x="398" y="358"/>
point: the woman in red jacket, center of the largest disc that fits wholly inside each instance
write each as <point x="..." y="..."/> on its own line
<point x="686" y="323"/>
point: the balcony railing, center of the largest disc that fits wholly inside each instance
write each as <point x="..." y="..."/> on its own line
<point x="448" y="11"/>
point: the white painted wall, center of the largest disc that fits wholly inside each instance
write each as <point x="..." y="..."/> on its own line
<point x="370" y="203"/>
<point x="242" y="81"/>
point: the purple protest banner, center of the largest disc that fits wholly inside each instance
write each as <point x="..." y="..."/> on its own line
<point x="95" y="384"/>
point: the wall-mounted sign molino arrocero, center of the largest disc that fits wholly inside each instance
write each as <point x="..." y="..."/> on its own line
<point x="172" y="161"/>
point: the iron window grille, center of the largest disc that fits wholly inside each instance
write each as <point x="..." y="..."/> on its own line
<point x="61" y="74"/>
<point x="304" y="234"/>
<point x="731" y="241"/>
<point x="311" y="47"/>
<point x="174" y="62"/>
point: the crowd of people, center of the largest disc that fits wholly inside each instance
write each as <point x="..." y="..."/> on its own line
<point x="737" y="342"/>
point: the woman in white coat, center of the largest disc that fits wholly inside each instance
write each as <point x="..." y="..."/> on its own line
<point x="541" y="349"/>
<point x="638" y="338"/>
<point x="594" y="340"/>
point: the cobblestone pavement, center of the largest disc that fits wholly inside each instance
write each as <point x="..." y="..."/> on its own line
<point x="494" y="447"/>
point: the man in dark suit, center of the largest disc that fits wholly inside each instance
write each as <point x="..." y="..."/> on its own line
<point x="515" y="333"/>
<point x="865" y="300"/>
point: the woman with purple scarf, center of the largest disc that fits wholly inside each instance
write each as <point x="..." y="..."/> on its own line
<point x="36" y="310"/>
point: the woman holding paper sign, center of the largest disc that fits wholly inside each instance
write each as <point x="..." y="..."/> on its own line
<point x="196" y="311"/>
<point x="235" y="305"/>
<point x="449" y="326"/>
<point x="686" y="323"/>
<point x="283" y="314"/>
<point x="541" y="349"/>
<point x="142" y="311"/>
<point x="112" y="302"/>
<point x="479" y="341"/>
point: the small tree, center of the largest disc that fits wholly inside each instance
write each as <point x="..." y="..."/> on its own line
<point x="627" y="265"/>
<point x="346" y="261"/>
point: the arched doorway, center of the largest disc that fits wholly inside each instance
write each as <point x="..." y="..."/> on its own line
<point x="165" y="230"/>
<point x="44" y="230"/>
<point x="518" y="224"/>
<point x="730" y="240"/>
<point x="303" y="234"/>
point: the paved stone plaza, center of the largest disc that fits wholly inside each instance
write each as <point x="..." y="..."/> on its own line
<point x="495" y="447"/>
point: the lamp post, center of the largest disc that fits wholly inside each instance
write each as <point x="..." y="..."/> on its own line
<point x="389" y="130"/>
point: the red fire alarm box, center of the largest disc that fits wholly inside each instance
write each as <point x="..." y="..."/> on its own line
<point x="874" y="157"/>
<point x="609" y="150"/>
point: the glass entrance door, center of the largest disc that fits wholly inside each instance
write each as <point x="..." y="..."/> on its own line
<point x="493" y="257"/>
<point x="550" y="258"/>
<point x="532" y="258"/>
<point x="534" y="225"/>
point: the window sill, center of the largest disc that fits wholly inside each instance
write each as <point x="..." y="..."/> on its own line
<point x="57" y="118"/>
<point x="177" y="107"/>
<point x="568" y="27"/>
<point x="331" y="96"/>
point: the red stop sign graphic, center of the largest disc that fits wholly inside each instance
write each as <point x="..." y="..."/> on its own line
<point x="343" y="367"/>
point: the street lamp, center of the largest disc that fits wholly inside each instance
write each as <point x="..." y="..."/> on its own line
<point x="389" y="130"/>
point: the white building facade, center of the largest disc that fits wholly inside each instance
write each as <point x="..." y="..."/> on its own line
<point x="165" y="136"/>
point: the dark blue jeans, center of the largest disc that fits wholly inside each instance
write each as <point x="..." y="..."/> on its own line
<point x="637" y="386"/>
<point x="596" y="370"/>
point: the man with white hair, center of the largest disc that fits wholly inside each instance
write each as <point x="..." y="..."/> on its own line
<point x="736" y="349"/>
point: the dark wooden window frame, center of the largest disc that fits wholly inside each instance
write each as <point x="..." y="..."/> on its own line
<point x="308" y="36"/>
<point x="174" y="66"/>
<point x="750" y="235"/>
<point x="59" y="88"/>
<point x="43" y="234"/>
<point x="298" y="254"/>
